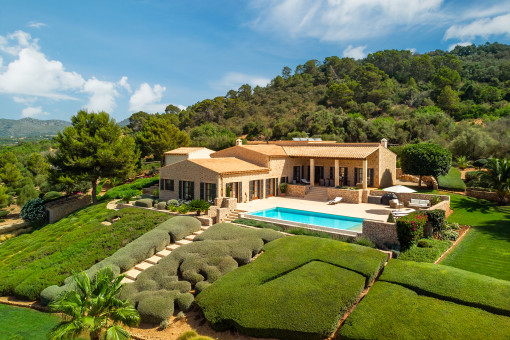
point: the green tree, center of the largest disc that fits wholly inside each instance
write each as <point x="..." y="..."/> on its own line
<point x="36" y="164"/>
<point x="8" y="158"/>
<point x="339" y="95"/>
<point x="448" y="99"/>
<point x="498" y="177"/>
<point x="27" y="193"/>
<point x="425" y="159"/>
<point x="10" y="174"/>
<point x="137" y="120"/>
<point x="4" y="197"/>
<point x="91" y="148"/>
<point x="94" y="307"/>
<point x="159" y="135"/>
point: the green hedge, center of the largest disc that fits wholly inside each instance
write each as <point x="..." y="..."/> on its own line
<point x="181" y="226"/>
<point x="298" y="288"/>
<point x="410" y="228"/>
<point x="391" y="311"/>
<point x="144" y="202"/>
<point x="130" y="189"/>
<point x="51" y="195"/>
<point x="31" y="262"/>
<point x="217" y="251"/>
<point x="452" y="181"/>
<point x="452" y="284"/>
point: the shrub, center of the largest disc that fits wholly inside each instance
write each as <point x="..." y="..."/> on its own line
<point x="198" y="206"/>
<point x="51" y="195"/>
<point x="410" y="228"/>
<point x="164" y="324"/>
<point x="480" y="163"/>
<point x="33" y="210"/>
<point x="391" y="218"/>
<point x="188" y="335"/>
<point x="435" y="200"/>
<point x="161" y="205"/>
<point x="27" y="193"/>
<point x="363" y="241"/>
<point x="283" y="187"/>
<point x="451" y="235"/>
<point x="180" y="226"/>
<point x="155" y="192"/>
<point x="183" y="209"/>
<point x="436" y="218"/>
<point x="3" y="213"/>
<point x="424" y="244"/>
<point x="136" y="186"/>
<point x="144" y="202"/>
<point x="173" y="202"/>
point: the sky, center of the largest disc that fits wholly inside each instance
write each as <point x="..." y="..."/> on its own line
<point x="124" y="56"/>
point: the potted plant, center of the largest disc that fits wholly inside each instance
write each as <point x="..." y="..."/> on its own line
<point x="283" y="189"/>
<point x="199" y="206"/>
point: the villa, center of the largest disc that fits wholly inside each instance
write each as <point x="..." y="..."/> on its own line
<point x="254" y="171"/>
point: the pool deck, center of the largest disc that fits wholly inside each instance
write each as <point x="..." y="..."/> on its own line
<point x="370" y="211"/>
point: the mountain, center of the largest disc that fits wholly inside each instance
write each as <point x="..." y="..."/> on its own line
<point x="30" y="127"/>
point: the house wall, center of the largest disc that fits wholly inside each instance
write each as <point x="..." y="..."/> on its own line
<point x="199" y="154"/>
<point x="185" y="171"/>
<point x="387" y="167"/>
<point x="171" y="159"/>
<point x="244" y="154"/>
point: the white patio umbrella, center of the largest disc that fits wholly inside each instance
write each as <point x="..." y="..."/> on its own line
<point x="399" y="189"/>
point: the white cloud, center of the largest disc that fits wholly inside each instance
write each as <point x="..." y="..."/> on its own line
<point x="124" y="83"/>
<point x="480" y="28"/>
<point x="342" y="20"/>
<point x="452" y="46"/>
<point x="147" y="98"/>
<point x="411" y="49"/>
<point x="355" y="52"/>
<point x="32" y="74"/>
<point x="33" y="112"/>
<point x="13" y="43"/>
<point x="103" y="95"/>
<point x="234" y="80"/>
<point x="35" y="24"/>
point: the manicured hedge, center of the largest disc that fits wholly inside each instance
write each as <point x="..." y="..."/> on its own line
<point x="31" y="262"/>
<point x="144" y="202"/>
<point x="51" y="195"/>
<point x="452" y="181"/>
<point x="138" y="250"/>
<point x="391" y="311"/>
<point x="452" y="284"/>
<point x="298" y="288"/>
<point x="410" y="228"/>
<point x="130" y="189"/>
<point x="217" y="251"/>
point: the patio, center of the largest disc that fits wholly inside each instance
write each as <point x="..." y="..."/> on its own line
<point x="370" y="211"/>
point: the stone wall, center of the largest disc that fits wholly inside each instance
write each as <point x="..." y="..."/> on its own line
<point x="14" y="228"/>
<point x="349" y="196"/>
<point x="429" y="181"/>
<point x="297" y="190"/>
<point x="381" y="233"/>
<point x="64" y="206"/>
<point x="486" y="195"/>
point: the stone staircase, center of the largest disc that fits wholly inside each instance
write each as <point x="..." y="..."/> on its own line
<point x="233" y="215"/>
<point x="151" y="261"/>
<point x="316" y="193"/>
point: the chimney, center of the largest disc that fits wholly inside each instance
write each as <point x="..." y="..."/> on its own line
<point x="384" y="142"/>
<point x="239" y="142"/>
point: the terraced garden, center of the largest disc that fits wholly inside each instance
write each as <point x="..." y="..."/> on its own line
<point x="31" y="262"/>
<point x="30" y="323"/>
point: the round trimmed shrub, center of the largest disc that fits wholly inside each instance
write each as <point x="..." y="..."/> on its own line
<point x="410" y="228"/>
<point x="33" y="210"/>
<point x="173" y="202"/>
<point x="51" y="195"/>
<point x="144" y="202"/>
<point x="161" y="206"/>
<point x="424" y="244"/>
<point x="3" y="213"/>
<point x="184" y="301"/>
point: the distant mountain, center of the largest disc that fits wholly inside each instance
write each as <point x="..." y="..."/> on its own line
<point x="124" y="122"/>
<point x="30" y="127"/>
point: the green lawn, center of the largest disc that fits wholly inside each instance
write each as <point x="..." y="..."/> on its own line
<point x="415" y="253"/>
<point x="452" y="181"/>
<point x="31" y="262"/>
<point x="486" y="247"/>
<point x="24" y="323"/>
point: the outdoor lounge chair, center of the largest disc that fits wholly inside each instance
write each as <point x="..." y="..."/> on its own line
<point x="420" y="204"/>
<point x="336" y="200"/>
<point x="305" y="181"/>
<point x="399" y="213"/>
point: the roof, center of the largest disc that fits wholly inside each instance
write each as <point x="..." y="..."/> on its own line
<point x="228" y="165"/>
<point x="185" y="151"/>
<point x="267" y="149"/>
<point x="350" y="152"/>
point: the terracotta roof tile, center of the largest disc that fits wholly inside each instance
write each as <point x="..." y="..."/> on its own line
<point x="267" y="149"/>
<point x="185" y="151"/>
<point x="228" y="165"/>
<point x="349" y="152"/>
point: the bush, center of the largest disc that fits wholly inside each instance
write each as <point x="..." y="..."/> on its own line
<point x="33" y="210"/>
<point x="451" y="235"/>
<point x="51" y="195"/>
<point x="363" y="241"/>
<point x="180" y="226"/>
<point x="144" y="202"/>
<point x="424" y="244"/>
<point x="161" y="205"/>
<point x="198" y="206"/>
<point x="173" y="202"/>
<point x="283" y="187"/>
<point x="437" y="219"/>
<point x="3" y="213"/>
<point x="452" y="181"/>
<point x="410" y="228"/>
<point x="480" y="163"/>
<point x="430" y="253"/>
<point x="134" y="189"/>
<point x="27" y="193"/>
<point x="391" y="218"/>
<point x="183" y="209"/>
<point x="434" y="200"/>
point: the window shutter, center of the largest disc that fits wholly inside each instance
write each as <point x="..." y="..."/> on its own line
<point x="180" y="190"/>
<point x="346" y="176"/>
<point x="240" y="198"/>
<point x="192" y="191"/>
<point x="252" y="188"/>
<point x="214" y="193"/>
<point x="161" y="184"/>
<point x="201" y="190"/>
<point x="277" y="189"/>
<point x="268" y="187"/>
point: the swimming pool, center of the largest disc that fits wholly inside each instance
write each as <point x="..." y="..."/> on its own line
<point x="311" y="218"/>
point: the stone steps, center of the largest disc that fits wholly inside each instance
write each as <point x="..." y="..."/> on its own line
<point x="317" y="194"/>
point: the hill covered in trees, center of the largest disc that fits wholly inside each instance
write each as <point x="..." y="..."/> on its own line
<point x="30" y="127"/>
<point x="459" y="99"/>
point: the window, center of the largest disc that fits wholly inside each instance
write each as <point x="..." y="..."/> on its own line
<point x="284" y="179"/>
<point x="358" y="176"/>
<point x="187" y="190"/>
<point x="297" y="174"/>
<point x="271" y="184"/>
<point x="235" y="190"/>
<point x="255" y="189"/>
<point x="208" y="191"/>
<point x="343" y="176"/>
<point x="166" y="184"/>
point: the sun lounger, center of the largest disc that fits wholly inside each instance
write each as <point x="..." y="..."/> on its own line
<point x="305" y="181"/>
<point x="336" y="200"/>
<point x="400" y="213"/>
<point x="416" y="203"/>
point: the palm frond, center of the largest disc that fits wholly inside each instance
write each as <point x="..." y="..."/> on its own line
<point x="127" y="315"/>
<point x="116" y="332"/>
<point x="66" y="330"/>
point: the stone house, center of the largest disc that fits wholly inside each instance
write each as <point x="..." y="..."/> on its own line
<point x="254" y="171"/>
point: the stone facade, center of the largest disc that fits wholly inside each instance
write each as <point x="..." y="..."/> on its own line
<point x="349" y="196"/>
<point x="297" y="190"/>
<point x="64" y="206"/>
<point x="406" y="198"/>
<point x="381" y="233"/>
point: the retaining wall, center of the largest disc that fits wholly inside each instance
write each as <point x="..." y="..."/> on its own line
<point x="486" y="195"/>
<point x="64" y="206"/>
<point x="297" y="190"/>
<point x="349" y="196"/>
<point x="381" y="233"/>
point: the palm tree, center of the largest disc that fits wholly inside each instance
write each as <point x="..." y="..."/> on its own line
<point x="498" y="177"/>
<point x="93" y="307"/>
<point x="462" y="162"/>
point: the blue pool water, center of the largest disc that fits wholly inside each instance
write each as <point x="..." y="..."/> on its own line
<point x="310" y="217"/>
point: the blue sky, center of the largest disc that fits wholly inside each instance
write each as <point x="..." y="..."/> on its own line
<point x="122" y="56"/>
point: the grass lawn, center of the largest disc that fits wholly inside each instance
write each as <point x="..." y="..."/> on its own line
<point x="298" y="288"/>
<point x="431" y="254"/>
<point x="31" y="262"/>
<point x="452" y="181"/>
<point x="24" y="323"/>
